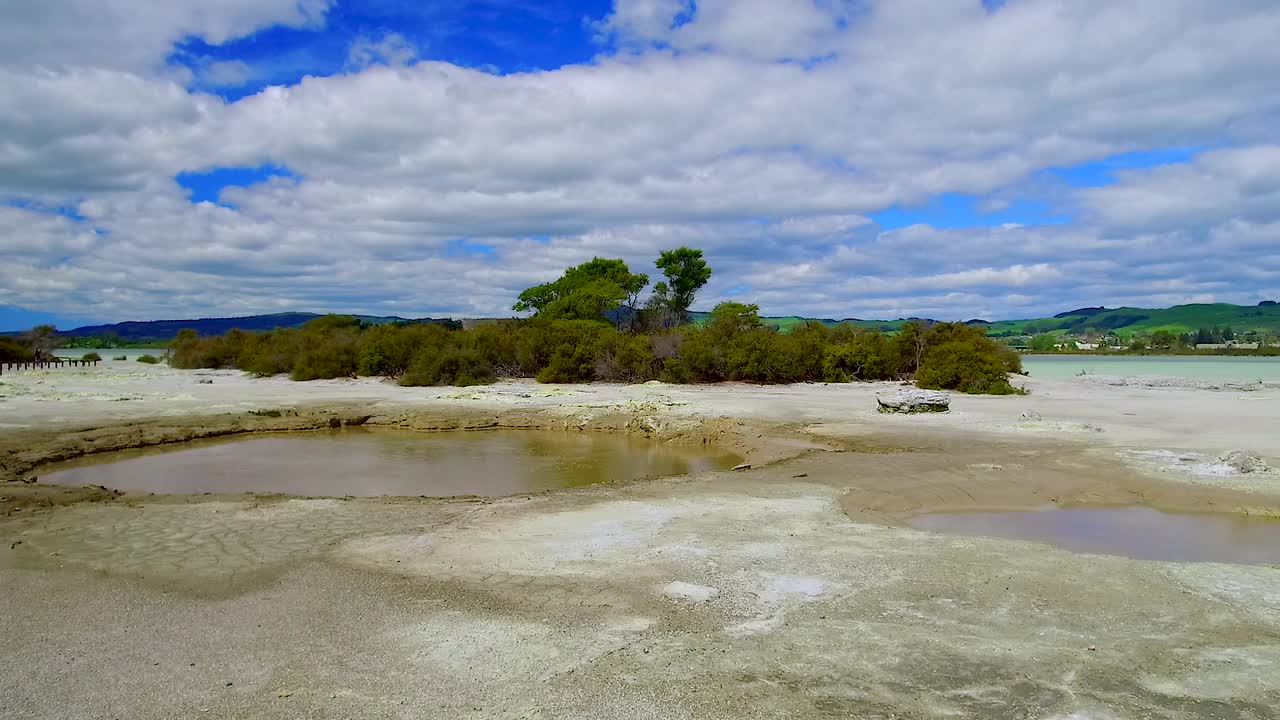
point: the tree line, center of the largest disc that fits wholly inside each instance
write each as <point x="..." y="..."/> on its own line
<point x="590" y="325"/>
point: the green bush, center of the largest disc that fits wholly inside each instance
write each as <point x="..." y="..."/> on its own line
<point x="964" y="366"/>
<point x="498" y="343"/>
<point x="190" y="351"/>
<point x="865" y="356"/>
<point x="13" y="351"/>
<point x="325" y="357"/>
<point x="627" y="359"/>
<point x="733" y="345"/>
<point x="90" y="357"/>
<point x="148" y="359"/>
<point x="120" y="357"/>
<point x="453" y="366"/>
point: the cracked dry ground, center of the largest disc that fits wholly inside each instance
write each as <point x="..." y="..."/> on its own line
<point x="718" y="596"/>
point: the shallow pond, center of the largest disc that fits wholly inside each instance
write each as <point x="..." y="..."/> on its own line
<point x="1135" y="532"/>
<point x="365" y="462"/>
<point x="1205" y="368"/>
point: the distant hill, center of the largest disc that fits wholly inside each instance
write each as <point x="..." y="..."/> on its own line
<point x="1125" y="321"/>
<point x="1082" y="311"/>
<point x="1263" y="317"/>
<point x="158" y="330"/>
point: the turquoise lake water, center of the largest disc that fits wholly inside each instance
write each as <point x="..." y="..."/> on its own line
<point x="1209" y="369"/>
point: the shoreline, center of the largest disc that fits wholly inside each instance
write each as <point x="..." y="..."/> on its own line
<point x="768" y="424"/>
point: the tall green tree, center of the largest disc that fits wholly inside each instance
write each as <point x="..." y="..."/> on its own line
<point x="686" y="272"/>
<point x="585" y="292"/>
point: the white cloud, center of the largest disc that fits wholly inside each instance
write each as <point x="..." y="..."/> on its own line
<point x="390" y="49"/>
<point x="1235" y="184"/>
<point x="765" y="29"/>
<point x="135" y="35"/>
<point x="692" y="135"/>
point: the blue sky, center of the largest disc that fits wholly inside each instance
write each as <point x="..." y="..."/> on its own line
<point x="500" y="36"/>
<point x="877" y="158"/>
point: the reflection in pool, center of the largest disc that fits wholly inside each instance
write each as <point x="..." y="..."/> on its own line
<point x="1136" y="532"/>
<point x="367" y="462"/>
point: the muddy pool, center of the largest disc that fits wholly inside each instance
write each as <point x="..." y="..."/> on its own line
<point x="1137" y="532"/>
<point x="369" y="462"/>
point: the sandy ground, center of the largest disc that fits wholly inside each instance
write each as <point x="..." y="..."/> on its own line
<point x="788" y="590"/>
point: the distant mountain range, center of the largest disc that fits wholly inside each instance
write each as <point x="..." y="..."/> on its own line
<point x="161" y="330"/>
<point x="1264" y="317"/>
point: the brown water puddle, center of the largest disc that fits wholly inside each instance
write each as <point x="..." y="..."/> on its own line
<point x="363" y="462"/>
<point x="1136" y="532"/>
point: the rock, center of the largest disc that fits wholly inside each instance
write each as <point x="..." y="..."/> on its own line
<point x="914" y="401"/>
<point x="1031" y="416"/>
<point x="204" y="381"/>
<point x="743" y="466"/>
<point x="1244" y="462"/>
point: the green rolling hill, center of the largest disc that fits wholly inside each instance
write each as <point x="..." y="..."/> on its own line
<point x="1125" y="321"/>
<point x="1179" y="319"/>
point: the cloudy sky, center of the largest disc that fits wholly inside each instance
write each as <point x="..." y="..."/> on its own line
<point x="838" y="158"/>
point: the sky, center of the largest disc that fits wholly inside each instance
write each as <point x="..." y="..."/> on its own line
<point x="833" y="158"/>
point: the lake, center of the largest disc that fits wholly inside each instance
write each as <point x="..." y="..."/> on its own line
<point x="1197" y="367"/>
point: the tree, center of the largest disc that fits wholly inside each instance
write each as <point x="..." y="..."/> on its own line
<point x="686" y="273"/>
<point x="910" y="344"/>
<point x="733" y="317"/>
<point x="585" y="292"/>
<point x="42" y="339"/>
<point x="1043" y="342"/>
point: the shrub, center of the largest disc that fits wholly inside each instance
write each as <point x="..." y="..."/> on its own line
<point x="451" y="367"/>
<point x="752" y="356"/>
<point x="627" y="359"/>
<point x="90" y="357"/>
<point x="964" y="365"/>
<point x="699" y="359"/>
<point x="570" y="364"/>
<point x="865" y="356"/>
<point x="14" y="351"/>
<point x="148" y="359"/>
<point x="499" y="344"/>
<point x="190" y="351"/>
<point x="388" y="350"/>
<point x="120" y="357"/>
<point x="270" y="353"/>
<point x="324" y="357"/>
<point x="733" y="345"/>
